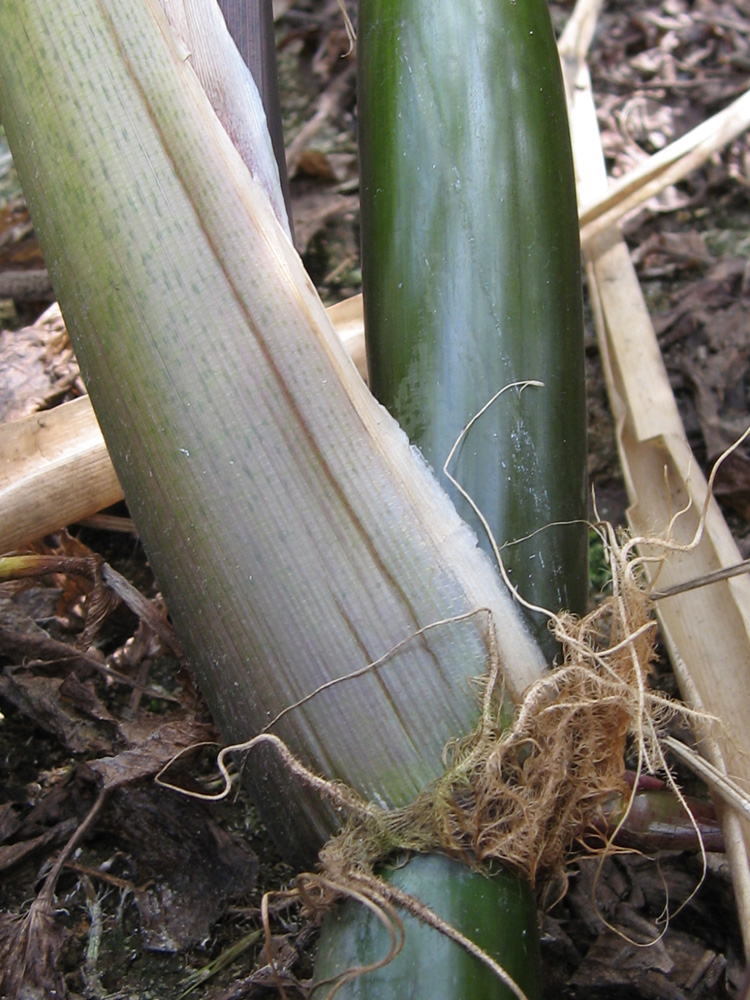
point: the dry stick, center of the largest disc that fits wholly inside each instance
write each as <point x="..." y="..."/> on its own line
<point x="328" y="103"/>
<point x="651" y="438"/>
<point x="700" y="717"/>
<point x="722" y="574"/>
<point x="729" y="790"/>
<point x="580" y="27"/>
<point x="666" y="544"/>
<point x="668" y="166"/>
<point x="739" y="569"/>
<point x="575" y="44"/>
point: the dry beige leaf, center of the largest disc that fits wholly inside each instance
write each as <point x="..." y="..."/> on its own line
<point x="706" y="630"/>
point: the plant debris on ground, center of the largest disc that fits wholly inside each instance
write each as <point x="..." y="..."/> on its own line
<point x="160" y="895"/>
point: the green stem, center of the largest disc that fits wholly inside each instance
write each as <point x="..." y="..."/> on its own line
<point x="496" y="912"/>
<point x="471" y="282"/>
<point x="471" y="269"/>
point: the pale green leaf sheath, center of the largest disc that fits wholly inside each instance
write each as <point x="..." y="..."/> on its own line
<point x="294" y="533"/>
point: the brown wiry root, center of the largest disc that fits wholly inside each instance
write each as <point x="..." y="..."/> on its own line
<point x="528" y="794"/>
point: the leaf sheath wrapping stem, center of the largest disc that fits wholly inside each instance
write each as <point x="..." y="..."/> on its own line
<point x="294" y="533"/>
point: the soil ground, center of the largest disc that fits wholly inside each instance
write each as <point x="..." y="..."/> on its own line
<point x="162" y="890"/>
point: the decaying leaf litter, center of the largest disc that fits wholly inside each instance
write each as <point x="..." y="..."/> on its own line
<point x="655" y="74"/>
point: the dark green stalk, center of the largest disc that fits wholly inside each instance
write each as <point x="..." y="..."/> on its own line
<point x="497" y="912"/>
<point x="471" y="282"/>
<point x="471" y="268"/>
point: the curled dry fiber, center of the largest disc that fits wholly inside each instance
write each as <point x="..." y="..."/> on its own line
<point x="527" y="794"/>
